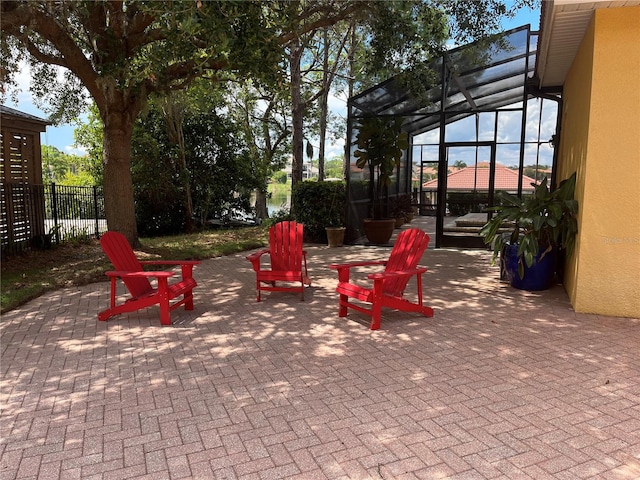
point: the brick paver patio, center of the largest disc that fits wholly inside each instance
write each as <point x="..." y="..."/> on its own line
<point x="500" y="384"/>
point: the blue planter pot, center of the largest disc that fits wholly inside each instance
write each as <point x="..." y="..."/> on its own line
<point x="539" y="276"/>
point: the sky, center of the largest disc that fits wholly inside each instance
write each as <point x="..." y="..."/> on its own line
<point x="61" y="136"/>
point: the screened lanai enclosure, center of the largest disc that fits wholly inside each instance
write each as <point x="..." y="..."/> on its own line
<point x="481" y="127"/>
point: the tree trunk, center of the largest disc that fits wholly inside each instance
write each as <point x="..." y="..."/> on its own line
<point x="118" y="185"/>
<point x="262" y="212"/>
<point x="297" y="112"/>
<point x="351" y="59"/>
<point x="324" y="101"/>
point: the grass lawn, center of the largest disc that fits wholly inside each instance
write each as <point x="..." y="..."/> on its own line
<point x="28" y="275"/>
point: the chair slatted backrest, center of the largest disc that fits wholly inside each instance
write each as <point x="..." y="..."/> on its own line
<point x="285" y="246"/>
<point x="116" y="246"/>
<point x="405" y="255"/>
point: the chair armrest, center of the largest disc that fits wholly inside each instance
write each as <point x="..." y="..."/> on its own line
<point x="344" y="270"/>
<point x="169" y="262"/>
<point x="152" y="274"/>
<point x="401" y="273"/>
<point x="336" y="266"/>
<point x="256" y="255"/>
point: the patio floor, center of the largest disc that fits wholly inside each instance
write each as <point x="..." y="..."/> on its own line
<point x="499" y="384"/>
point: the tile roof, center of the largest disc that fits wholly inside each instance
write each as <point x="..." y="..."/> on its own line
<point x="470" y="178"/>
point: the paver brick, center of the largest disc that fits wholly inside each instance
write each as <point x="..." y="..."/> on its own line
<point x="287" y="389"/>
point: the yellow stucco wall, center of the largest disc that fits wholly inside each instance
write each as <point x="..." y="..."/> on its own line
<point x="600" y="140"/>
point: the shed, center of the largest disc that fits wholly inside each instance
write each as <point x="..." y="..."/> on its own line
<point x="22" y="193"/>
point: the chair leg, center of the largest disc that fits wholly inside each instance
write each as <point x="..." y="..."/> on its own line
<point x="165" y="314"/>
<point x="188" y="300"/>
<point x="376" y="305"/>
<point x="427" y="312"/>
<point x="258" y="289"/>
<point x="163" y="297"/>
<point x="376" y="312"/>
<point x="342" y="310"/>
<point x="105" y="315"/>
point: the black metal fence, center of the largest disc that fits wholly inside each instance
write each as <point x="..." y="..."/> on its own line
<point x="37" y="215"/>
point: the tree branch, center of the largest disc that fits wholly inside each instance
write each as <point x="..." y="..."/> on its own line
<point x="330" y="18"/>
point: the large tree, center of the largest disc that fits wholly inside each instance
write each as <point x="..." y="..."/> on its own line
<point x="264" y="126"/>
<point x="123" y="51"/>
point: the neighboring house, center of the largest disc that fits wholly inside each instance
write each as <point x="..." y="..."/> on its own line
<point x="474" y="181"/>
<point x="308" y="169"/>
<point x="470" y="179"/>
<point x="22" y="195"/>
<point x="589" y="53"/>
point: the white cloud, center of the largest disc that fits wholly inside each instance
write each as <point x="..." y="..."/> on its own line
<point x="338" y="106"/>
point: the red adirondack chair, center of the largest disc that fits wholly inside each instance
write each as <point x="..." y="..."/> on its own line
<point x="136" y="280"/>
<point x="288" y="261"/>
<point x="388" y="285"/>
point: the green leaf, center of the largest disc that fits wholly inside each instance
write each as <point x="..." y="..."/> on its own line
<point x="538" y="222"/>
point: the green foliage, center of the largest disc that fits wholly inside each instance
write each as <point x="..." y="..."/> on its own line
<point x="157" y="189"/>
<point x="218" y="165"/>
<point x="65" y="169"/>
<point x="539" y="222"/>
<point x="136" y="46"/>
<point x="401" y="206"/>
<point x="82" y="178"/>
<point x="397" y="37"/>
<point x="280" y="177"/>
<point x="319" y="205"/>
<point x="124" y="52"/>
<point x="262" y="118"/>
<point x="77" y="235"/>
<point x="537" y="172"/>
<point x="90" y="136"/>
<point x="334" y="168"/>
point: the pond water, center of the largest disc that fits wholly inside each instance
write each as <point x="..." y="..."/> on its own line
<point x="278" y="201"/>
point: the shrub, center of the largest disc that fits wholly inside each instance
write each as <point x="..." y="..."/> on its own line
<point x="319" y="205"/>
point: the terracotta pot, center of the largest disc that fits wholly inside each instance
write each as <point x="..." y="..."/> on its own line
<point x="379" y="232"/>
<point x="335" y="236"/>
<point x="399" y="222"/>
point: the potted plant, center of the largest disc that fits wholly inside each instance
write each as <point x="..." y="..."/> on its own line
<point x="334" y="225"/>
<point x="539" y="227"/>
<point x="380" y="142"/>
<point x="401" y="209"/>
